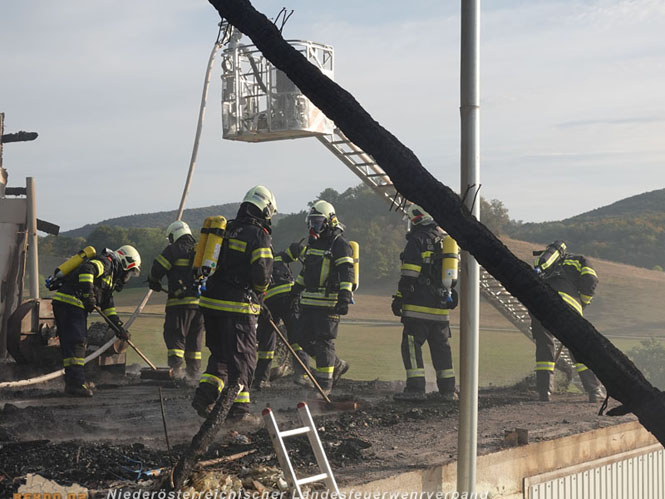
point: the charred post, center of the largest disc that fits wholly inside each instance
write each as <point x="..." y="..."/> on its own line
<point x="622" y="379"/>
<point x="206" y="434"/>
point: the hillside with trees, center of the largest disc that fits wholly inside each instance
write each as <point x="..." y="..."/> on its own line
<point x="630" y="231"/>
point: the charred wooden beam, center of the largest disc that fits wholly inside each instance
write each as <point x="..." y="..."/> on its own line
<point x="622" y="379"/>
<point x="18" y="137"/>
<point x="206" y="434"/>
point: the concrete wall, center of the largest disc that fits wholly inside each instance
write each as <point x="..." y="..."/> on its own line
<point x="502" y="473"/>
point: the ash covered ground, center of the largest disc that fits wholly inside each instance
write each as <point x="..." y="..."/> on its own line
<point x="102" y="443"/>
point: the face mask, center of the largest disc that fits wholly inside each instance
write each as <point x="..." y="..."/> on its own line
<point x="316" y="226"/>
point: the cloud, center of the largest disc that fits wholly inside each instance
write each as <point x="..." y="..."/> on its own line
<point x="113" y="88"/>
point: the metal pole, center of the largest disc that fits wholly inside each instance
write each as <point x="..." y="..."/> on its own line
<point x="3" y="172"/>
<point x="470" y="272"/>
<point x="33" y="261"/>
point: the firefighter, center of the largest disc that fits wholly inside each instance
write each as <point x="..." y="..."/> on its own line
<point x="183" y="324"/>
<point x="278" y="300"/>
<point x="424" y="304"/>
<point x="86" y="287"/>
<point x="231" y="303"/>
<point x="575" y="280"/>
<point x="324" y="290"/>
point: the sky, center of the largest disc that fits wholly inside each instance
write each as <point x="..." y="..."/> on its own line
<point x="572" y="109"/>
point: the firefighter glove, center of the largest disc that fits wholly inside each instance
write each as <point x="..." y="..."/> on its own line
<point x="265" y="312"/>
<point x="155" y="285"/>
<point x="89" y="302"/>
<point x="343" y="300"/>
<point x="121" y="333"/>
<point x="397" y="305"/>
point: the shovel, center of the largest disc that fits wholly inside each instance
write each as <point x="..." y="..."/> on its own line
<point x="154" y="372"/>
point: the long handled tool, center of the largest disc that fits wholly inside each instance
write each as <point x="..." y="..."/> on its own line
<point x="159" y="373"/>
<point x="295" y="356"/>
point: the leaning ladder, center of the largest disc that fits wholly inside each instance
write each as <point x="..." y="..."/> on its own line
<point x="369" y="171"/>
<point x="308" y="429"/>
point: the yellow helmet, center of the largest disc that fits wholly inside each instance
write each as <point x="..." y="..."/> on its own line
<point x="418" y="216"/>
<point x="263" y="199"/>
<point x="320" y="217"/>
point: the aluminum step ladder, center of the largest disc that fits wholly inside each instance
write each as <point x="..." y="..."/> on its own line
<point x="309" y="429"/>
<point x="368" y="170"/>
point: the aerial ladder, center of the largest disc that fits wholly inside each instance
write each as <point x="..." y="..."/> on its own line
<point x="260" y="103"/>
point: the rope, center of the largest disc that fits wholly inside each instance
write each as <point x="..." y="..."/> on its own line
<point x="192" y="162"/>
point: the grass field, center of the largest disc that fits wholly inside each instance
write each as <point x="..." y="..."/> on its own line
<point x="369" y="339"/>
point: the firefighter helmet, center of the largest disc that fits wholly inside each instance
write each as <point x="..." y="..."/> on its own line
<point x="321" y="216"/>
<point x="129" y="259"/>
<point x="418" y="216"/>
<point x="176" y="230"/>
<point x="263" y="199"/>
<point x="550" y="257"/>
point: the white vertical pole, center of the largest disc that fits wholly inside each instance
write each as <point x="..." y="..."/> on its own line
<point x="33" y="261"/>
<point x="470" y="271"/>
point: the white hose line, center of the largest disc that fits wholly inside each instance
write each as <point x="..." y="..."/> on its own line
<point x="185" y="192"/>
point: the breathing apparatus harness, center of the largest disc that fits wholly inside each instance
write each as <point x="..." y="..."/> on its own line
<point x="222" y="265"/>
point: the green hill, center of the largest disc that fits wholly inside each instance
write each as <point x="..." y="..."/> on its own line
<point x="630" y="231"/>
<point x="161" y="219"/>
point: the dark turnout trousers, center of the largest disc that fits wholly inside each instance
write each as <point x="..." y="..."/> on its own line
<point x="231" y="339"/>
<point x="318" y="331"/>
<point x="183" y="335"/>
<point x="71" y="322"/>
<point x="416" y="333"/>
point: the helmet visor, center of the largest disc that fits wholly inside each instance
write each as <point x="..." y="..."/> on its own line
<point x="315" y="223"/>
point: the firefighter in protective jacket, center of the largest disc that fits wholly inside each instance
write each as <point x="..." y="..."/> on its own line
<point x="575" y="280"/>
<point x="88" y="286"/>
<point x="231" y="302"/>
<point x="183" y="324"/>
<point x="325" y="286"/>
<point x="278" y="299"/>
<point x="424" y="305"/>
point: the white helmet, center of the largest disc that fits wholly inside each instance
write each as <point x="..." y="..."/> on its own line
<point x="263" y="199"/>
<point x="418" y="216"/>
<point x="129" y="258"/>
<point x="321" y="216"/>
<point x="176" y="230"/>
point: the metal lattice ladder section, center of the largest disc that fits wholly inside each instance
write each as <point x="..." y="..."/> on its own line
<point x="364" y="166"/>
<point x="369" y="171"/>
<point x="308" y="429"/>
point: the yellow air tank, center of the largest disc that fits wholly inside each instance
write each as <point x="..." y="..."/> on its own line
<point x="355" y="248"/>
<point x="201" y="246"/>
<point x="450" y="262"/>
<point x="68" y="265"/>
<point x="213" y="244"/>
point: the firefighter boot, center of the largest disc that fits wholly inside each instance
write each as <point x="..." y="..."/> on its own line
<point x="592" y="386"/>
<point x="204" y="399"/>
<point x="239" y="412"/>
<point x="341" y="366"/>
<point x="262" y="375"/>
<point x="446" y="388"/>
<point x="414" y="390"/>
<point x="178" y="366"/>
<point x="544" y="385"/>
<point x="78" y="390"/>
<point x="193" y="370"/>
